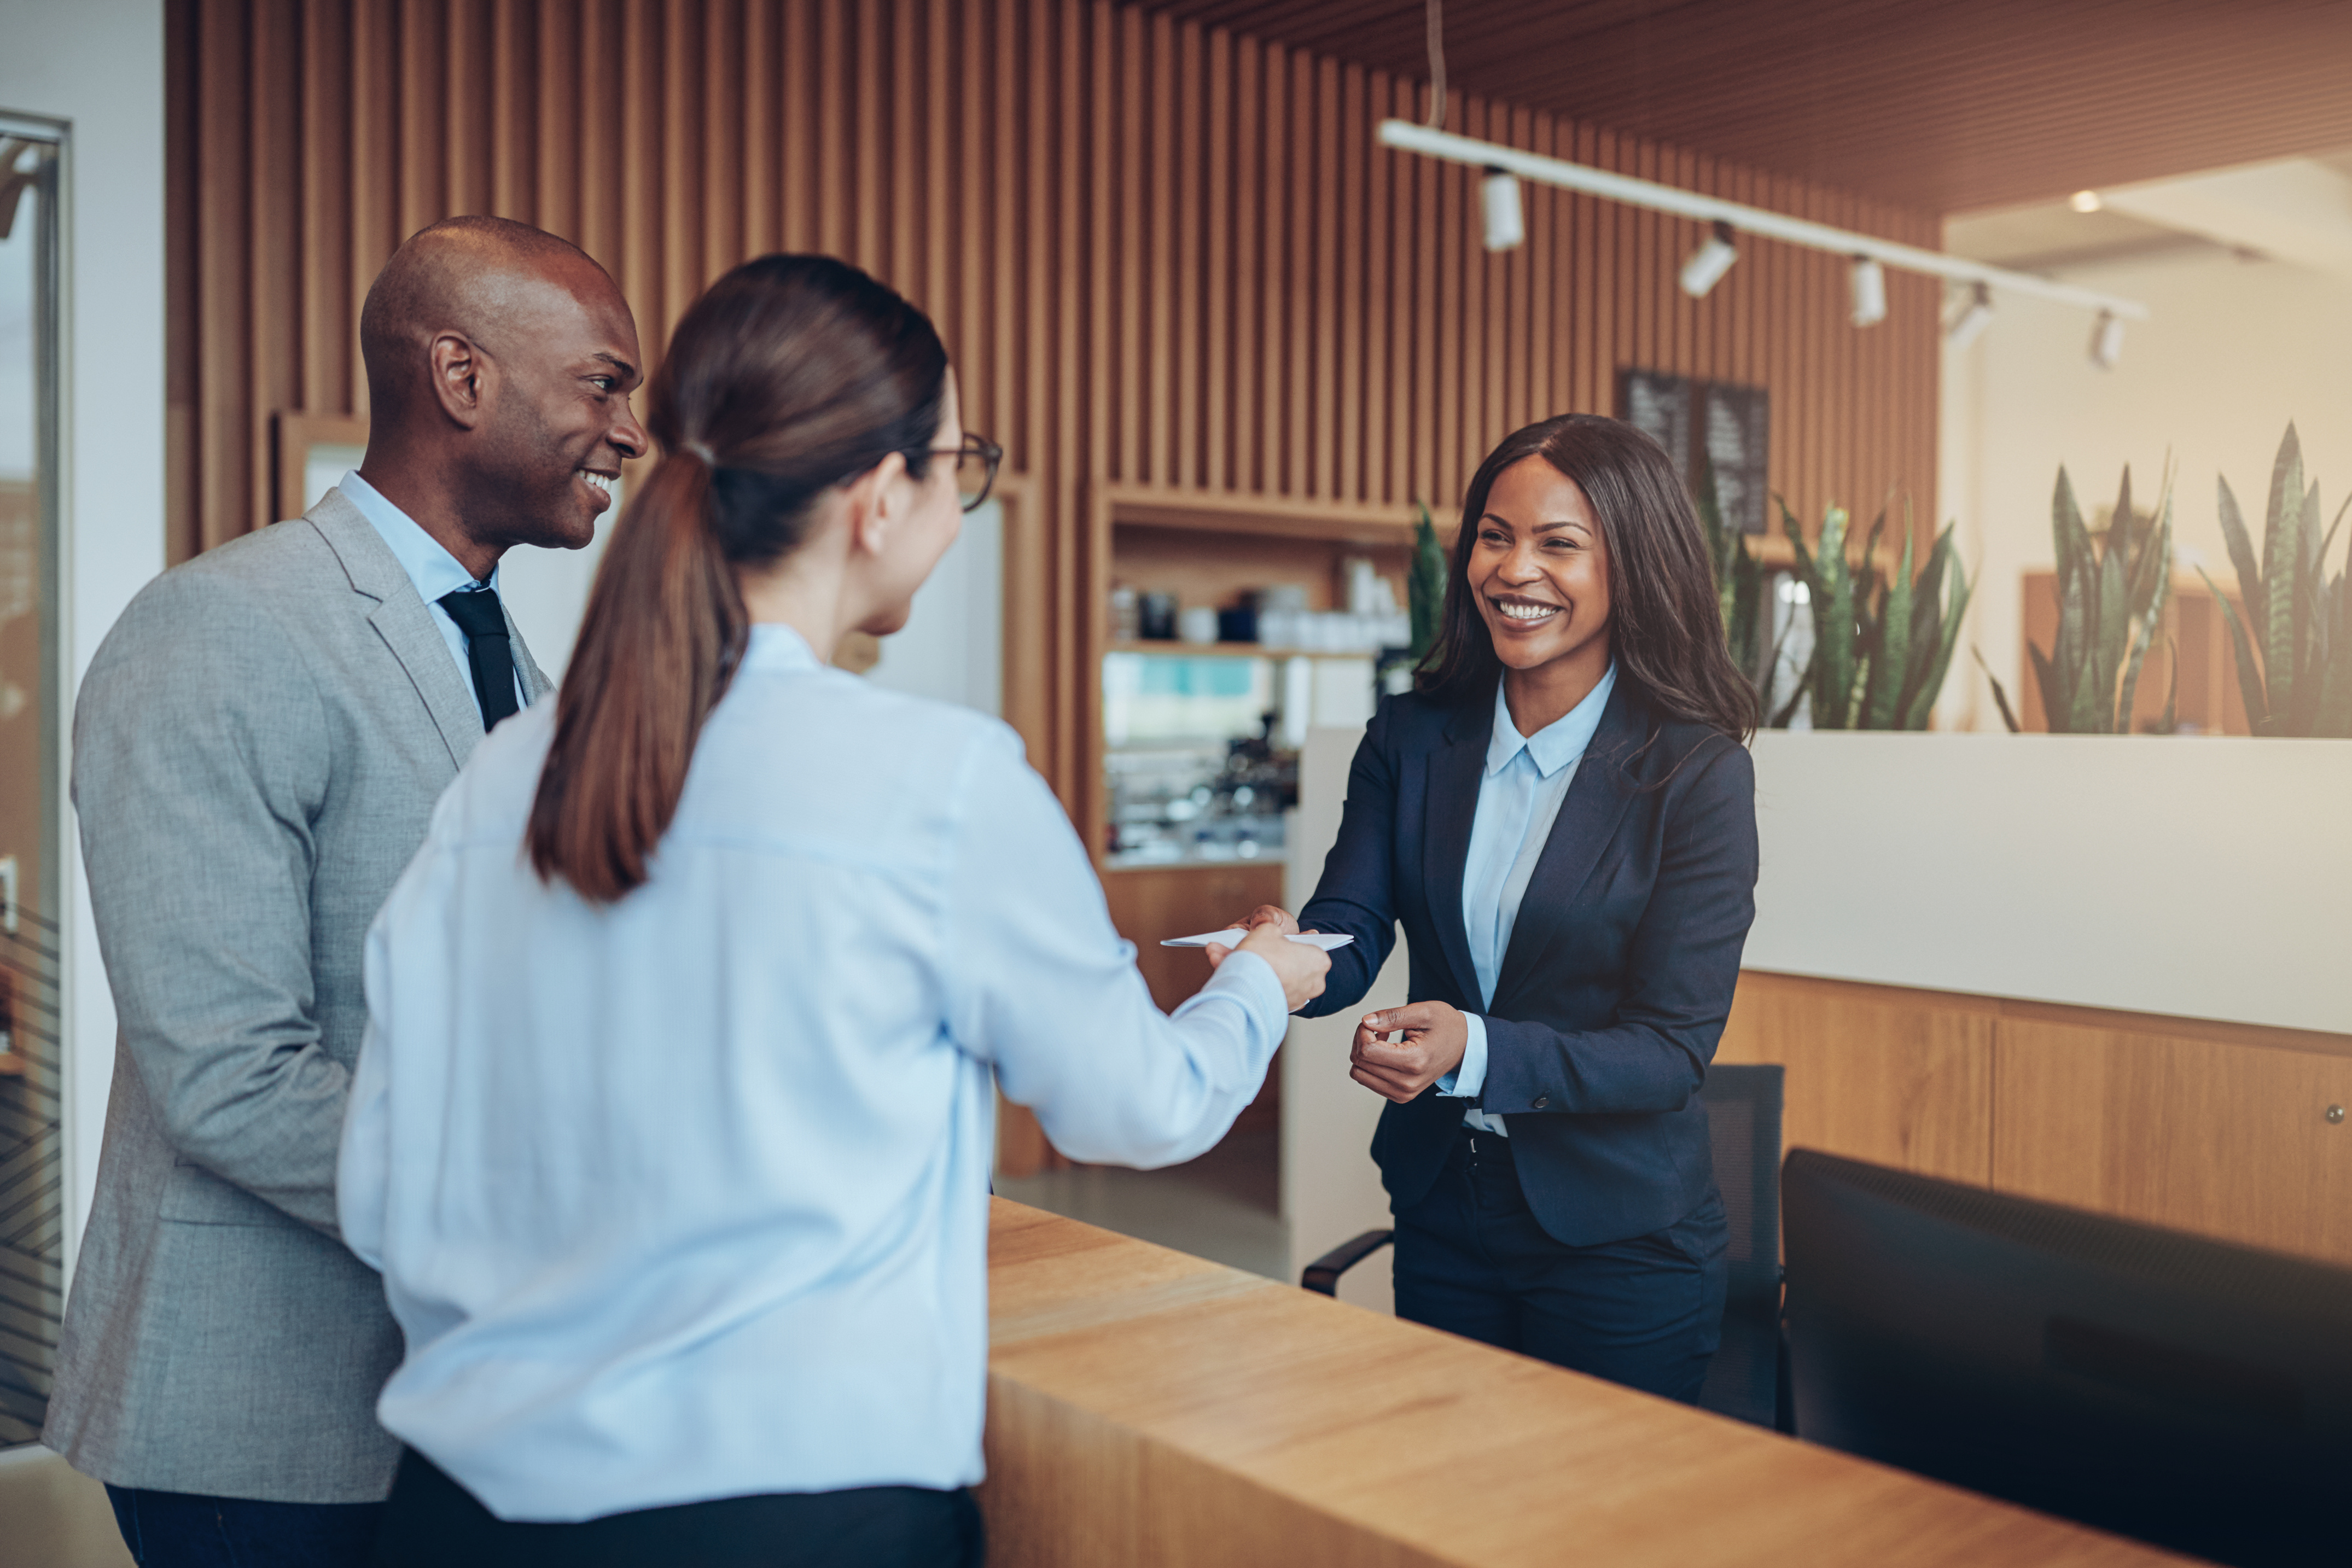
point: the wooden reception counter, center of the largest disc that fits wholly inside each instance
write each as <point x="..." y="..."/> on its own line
<point x="1150" y="1408"/>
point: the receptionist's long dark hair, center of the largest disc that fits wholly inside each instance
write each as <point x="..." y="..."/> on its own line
<point x="1664" y="619"/>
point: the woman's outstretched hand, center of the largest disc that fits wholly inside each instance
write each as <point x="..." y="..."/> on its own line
<point x="1434" y="1036"/>
<point x="1267" y="914"/>
<point x="1299" y="966"/>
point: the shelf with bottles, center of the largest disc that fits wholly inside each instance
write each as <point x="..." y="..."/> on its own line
<point x="1182" y="650"/>
<point x="1201" y="801"/>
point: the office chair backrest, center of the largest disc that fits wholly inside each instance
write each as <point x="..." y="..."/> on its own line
<point x="1743" y="1115"/>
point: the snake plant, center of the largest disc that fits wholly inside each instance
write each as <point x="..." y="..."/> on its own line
<point x="1881" y="646"/>
<point x="1424" y="585"/>
<point x="2301" y="682"/>
<point x="2111" y="595"/>
<point x="1739" y="581"/>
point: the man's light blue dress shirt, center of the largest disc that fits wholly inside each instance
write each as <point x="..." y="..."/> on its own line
<point x="686" y="1196"/>
<point x="1520" y="795"/>
<point x="431" y="568"/>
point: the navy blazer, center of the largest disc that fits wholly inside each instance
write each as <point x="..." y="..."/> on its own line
<point x="1619" y="975"/>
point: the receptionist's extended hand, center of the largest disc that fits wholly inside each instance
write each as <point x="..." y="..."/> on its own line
<point x="1272" y="915"/>
<point x="1299" y="966"/>
<point x="1434" y="1036"/>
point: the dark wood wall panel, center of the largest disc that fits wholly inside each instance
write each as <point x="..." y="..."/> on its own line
<point x="1160" y="254"/>
<point x="1941" y="107"/>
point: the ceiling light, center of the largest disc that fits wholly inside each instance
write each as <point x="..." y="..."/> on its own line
<point x="1709" y="262"/>
<point x="1498" y="193"/>
<point x="2107" y="341"/>
<point x="1869" y="282"/>
<point x="2086" y="201"/>
<point x="1970" y="323"/>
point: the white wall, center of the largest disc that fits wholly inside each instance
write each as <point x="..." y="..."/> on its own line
<point x="2233" y="350"/>
<point x="1330" y="1188"/>
<point x="98" y="64"/>
<point x="952" y="647"/>
<point x="2206" y="878"/>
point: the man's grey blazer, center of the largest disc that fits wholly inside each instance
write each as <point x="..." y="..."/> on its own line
<point x="257" y="748"/>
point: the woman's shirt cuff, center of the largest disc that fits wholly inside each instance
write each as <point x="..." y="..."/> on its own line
<point x="1469" y="1075"/>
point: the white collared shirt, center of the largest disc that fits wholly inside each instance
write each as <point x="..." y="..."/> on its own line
<point x="431" y="567"/>
<point x="1519" y="796"/>
<point x="686" y="1196"/>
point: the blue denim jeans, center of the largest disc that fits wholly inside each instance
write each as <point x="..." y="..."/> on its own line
<point x="183" y="1530"/>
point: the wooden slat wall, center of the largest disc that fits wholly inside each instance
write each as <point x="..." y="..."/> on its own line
<point x="1159" y="255"/>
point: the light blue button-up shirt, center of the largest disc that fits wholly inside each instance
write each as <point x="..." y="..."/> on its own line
<point x="1520" y="795"/>
<point x="431" y="568"/>
<point x="686" y="1196"/>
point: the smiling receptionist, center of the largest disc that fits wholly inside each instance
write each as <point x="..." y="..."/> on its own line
<point x="1562" y="815"/>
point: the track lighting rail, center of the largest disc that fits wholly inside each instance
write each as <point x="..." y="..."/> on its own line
<point x="1491" y="155"/>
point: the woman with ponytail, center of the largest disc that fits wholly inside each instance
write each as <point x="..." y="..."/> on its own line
<point x="672" y="1131"/>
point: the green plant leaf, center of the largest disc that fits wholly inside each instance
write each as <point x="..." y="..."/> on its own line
<point x="1835" y="631"/>
<point x="2111" y="610"/>
<point x="1425" y="586"/>
<point x="1938" y="649"/>
<point x="2171" y="721"/>
<point x="2250" y="678"/>
<point x="2045" y="676"/>
<point x="2334" y="717"/>
<point x="2070" y="651"/>
<point x="1890" y="662"/>
<point x="2000" y="698"/>
<point x="2281" y="555"/>
<point x="2152" y="583"/>
<point x="2241" y="556"/>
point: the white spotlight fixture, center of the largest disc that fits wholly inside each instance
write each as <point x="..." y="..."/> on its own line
<point x="1970" y="323"/>
<point x="1709" y="262"/>
<point x="2107" y="341"/>
<point x="1869" y="283"/>
<point x="1498" y="193"/>
<point x="2086" y="201"/>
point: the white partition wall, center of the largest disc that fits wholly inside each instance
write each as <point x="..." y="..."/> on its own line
<point x="2200" y="878"/>
<point x="1330" y="1188"/>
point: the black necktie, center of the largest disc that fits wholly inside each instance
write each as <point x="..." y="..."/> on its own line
<point x="476" y="610"/>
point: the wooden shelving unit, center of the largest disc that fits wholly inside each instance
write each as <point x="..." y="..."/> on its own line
<point x="1206" y="547"/>
<point x="1233" y="650"/>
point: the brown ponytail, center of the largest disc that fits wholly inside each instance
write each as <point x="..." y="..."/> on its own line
<point x="793" y="374"/>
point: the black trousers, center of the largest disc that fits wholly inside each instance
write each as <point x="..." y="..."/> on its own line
<point x="1646" y="1312"/>
<point x="431" y="1521"/>
<point x="184" y="1530"/>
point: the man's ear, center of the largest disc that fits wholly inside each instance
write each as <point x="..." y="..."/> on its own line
<point x="460" y="374"/>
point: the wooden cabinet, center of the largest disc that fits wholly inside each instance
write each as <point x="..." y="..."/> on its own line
<point x="1875" y="1072"/>
<point x="1150" y="904"/>
<point x="2179" y="1124"/>
<point x="2222" y="1129"/>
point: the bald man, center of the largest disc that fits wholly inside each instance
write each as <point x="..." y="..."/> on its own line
<point x="257" y="749"/>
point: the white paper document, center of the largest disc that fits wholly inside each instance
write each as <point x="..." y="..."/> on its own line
<point x="1231" y="938"/>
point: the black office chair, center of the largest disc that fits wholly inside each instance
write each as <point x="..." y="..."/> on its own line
<point x="1746" y="1379"/>
<point x="1743" y="1118"/>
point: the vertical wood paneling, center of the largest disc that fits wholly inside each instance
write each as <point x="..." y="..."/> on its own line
<point x="1161" y="253"/>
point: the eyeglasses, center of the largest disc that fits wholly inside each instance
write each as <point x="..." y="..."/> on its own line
<point x="975" y="471"/>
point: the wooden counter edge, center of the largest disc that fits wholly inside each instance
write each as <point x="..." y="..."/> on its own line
<point x="1150" y="1407"/>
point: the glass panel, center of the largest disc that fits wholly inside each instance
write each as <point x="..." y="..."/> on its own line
<point x="1195" y="754"/>
<point x="32" y="1186"/>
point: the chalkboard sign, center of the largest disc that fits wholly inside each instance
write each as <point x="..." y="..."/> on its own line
<point x="1730" y="425"/>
